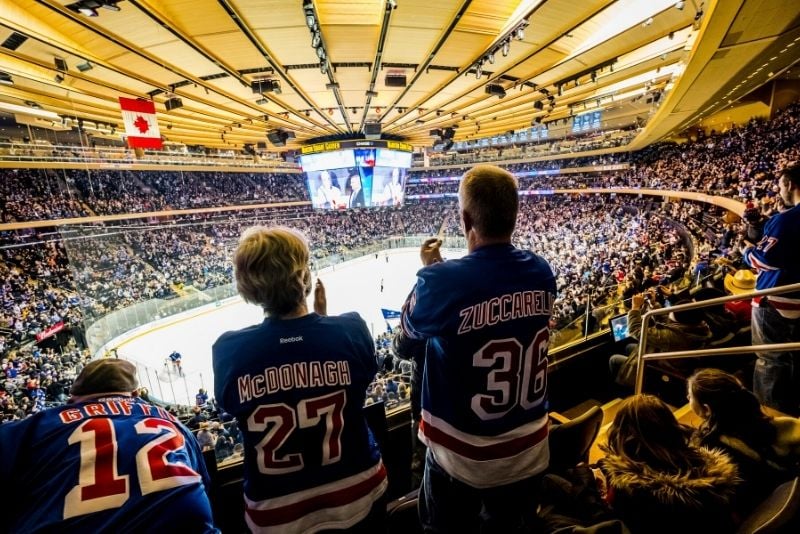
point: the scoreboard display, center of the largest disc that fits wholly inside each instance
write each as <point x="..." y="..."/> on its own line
<point x="356" y="174"/>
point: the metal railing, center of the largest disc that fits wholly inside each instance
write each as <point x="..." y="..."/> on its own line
<point x="643" y="357"/>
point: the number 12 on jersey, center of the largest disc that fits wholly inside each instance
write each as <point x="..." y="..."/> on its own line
<point x="520" y="380"/>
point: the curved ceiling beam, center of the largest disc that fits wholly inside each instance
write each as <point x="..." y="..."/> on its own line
<point x="238" y="19"/>
<point x="530" y="97"/>
<point x="27" y="60"/>
<point x="496" y="75"/>
<point x="376" y="64"/>
<point x="423" y="67"/>
<point x="149" y="12"/>
<point x="158" y="61"/>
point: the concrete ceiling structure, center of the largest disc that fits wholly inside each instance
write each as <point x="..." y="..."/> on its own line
<point x="483" y="67"/>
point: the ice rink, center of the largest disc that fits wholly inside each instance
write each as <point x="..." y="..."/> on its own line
<point x="351" y="286"/>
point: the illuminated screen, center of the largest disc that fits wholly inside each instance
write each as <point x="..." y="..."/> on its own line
<point x="340" y="159"/>
<point x="619" y="327"/>
<point x="586" y="122"/>
<point x="356" y="178"/>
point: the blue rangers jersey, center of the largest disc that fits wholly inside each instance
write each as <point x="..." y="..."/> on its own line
<point x="484" y="407"/>
<point x="297" y="388"/>
<point x="112" y="464"/>
<point x="777" y="259"/>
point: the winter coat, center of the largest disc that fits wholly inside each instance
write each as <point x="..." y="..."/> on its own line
<point x="762" y="471"/>
<point x="649" y="500"/>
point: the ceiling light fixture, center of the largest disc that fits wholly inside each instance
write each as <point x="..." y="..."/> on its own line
<point x="506" y="47"/>
<point x="89" y="8"/>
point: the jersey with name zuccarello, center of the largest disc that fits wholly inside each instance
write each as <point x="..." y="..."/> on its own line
<point x="112" y="464"/>
<point x="484" y="407"/>
<point x="297" y="388"/>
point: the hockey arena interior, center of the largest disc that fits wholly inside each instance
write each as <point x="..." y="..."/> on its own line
<point x="544" y="258"/>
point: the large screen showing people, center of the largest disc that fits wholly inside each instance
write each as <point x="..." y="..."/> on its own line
<point x="356" y="178"/>
<point x="388" y="186"/>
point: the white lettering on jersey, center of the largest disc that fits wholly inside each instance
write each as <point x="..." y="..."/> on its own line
<point x="290" y="376"/>
<point x="505" y="308"/>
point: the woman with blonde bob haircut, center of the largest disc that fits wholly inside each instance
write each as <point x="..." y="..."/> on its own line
<point x="271" y="270"/>
<point x="657" y="481"/>
<point x="297" y="383"/>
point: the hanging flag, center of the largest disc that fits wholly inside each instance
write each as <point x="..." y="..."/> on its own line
<point x="141" y="127"/>
<point x="390" y="314"/>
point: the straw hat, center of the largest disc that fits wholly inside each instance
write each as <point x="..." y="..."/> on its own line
<point x="743" y="281"/>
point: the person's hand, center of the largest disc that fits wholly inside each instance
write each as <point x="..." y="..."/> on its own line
<point x="320" y="301"/>
<point x="637" y="301"/>
<point x="429" y="253"/>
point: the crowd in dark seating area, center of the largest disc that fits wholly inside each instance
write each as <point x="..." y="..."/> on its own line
<point x="606" y="246"/>
<point x="134" y="192"/>
<point x="36" y="194"/>
<point x="32" y="379"/>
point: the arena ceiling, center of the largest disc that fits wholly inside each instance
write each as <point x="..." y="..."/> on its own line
<point x="659" y="62"/>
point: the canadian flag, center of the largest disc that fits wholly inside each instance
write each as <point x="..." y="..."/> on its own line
<point x="141" y="126"/>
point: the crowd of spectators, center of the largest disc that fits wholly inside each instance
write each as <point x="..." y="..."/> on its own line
<point x="32" y="379"/>
<point x="36" y="194"/>
<point x="595" y="244"/>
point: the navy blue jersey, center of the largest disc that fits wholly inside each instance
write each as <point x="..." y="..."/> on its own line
<point x="485" y="316"/>
<point x="297" y="388"/>
<point x="777" y="259"/>
<point x="115" y="464"/>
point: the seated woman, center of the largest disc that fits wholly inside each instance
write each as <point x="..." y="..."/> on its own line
<point x="766" y="449"/>
<point x="657" y="481"/>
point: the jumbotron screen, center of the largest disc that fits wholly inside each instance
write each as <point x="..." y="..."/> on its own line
<point x="370" y="174"/>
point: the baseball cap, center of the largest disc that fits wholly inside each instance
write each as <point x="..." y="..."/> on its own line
<point x="743" y="281"/>
<point x="106" y="375"/>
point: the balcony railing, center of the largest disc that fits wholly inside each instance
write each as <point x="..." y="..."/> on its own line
<point x="644" y="357"/>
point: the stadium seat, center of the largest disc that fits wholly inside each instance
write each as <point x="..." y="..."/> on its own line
<point x="401" y="514"/>
<point x="777" y="513"/>
<point x="570" y="442"/>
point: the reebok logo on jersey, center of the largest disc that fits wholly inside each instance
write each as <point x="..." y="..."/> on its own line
<point x="291" y="339"/>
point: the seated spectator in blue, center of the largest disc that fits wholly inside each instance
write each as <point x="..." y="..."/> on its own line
<point x="105" y="462"/>
<point x="766" y="449"/>
<point x="657" y="481"/>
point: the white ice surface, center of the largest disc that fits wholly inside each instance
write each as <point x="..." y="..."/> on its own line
<point x="350" y="286"/>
